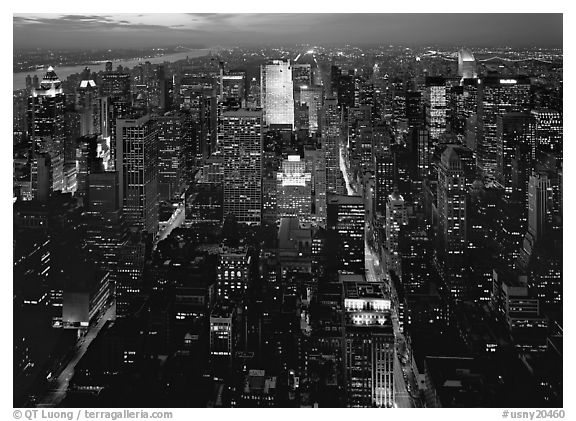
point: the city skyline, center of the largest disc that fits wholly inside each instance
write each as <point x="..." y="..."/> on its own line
<point x="305" y="225"/>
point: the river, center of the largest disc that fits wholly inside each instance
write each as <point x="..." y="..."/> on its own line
<point x="64" y="72"/>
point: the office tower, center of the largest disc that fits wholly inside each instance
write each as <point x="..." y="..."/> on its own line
<point x="513" y="130"/>
<point x="316" y="166"/>
<point x="240" y="141"/>
<point x="496" y="97"/>
<point x="466" y="64"/>
<point x="548" y="129"/>
<point x="87" y="105"/>
<point x="106" y="231"/>
<point x="369" y="345"/>
<point x="312" y="97"/>
<point x="277" y="97"/>
<point x="137" y="164"/>
<point x="396" y="217"/>
<point x="232" y="273"/>
<point x="346" y="217"/>
<point x="435" y="104"/>
<point x="171" y="154"/>
<point x="331" y="143"/>
<point x="452" y="219"/>
<point x="384" y="181"/>
<point x="46" y="125"/>
<point x="294" y="189"/>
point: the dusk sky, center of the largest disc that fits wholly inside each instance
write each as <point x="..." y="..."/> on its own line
<point x="235" y="29"/>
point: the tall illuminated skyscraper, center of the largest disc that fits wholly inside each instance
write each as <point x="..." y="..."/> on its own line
<point x="369" y="345"/>
<point x="87" y="105"/>
<point x="137" y="164"/>
<point x="466" y="64"/>
<point x="276" y="90"/>
<point x="240" y="142"/>
<point x="46" y="125"/>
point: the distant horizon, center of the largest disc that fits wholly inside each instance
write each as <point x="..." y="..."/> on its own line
<point x="149" y="30"/>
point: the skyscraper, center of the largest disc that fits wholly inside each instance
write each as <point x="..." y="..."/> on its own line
<point x="277" y="93"/>
<point x="316" y="165"/>
<point x="384" y="182"/>
<point x="396" y="217"/>
<point x="137" y="164"/>
<point x="87" y="105"/>
<point x="346" y="217"/>
<point x="331" y="144"/>
<point x="171" y="154"/>
<point x="452" y="219"/>
<point x="513" y="130"/>
<point x="369" y="345"/>
<point x="312" y="97"/>
<point x="466" y="64"/>
<point x="435" y="100"/>
<point x="46" y="125"/>
<point x="240" y="141"/>
<point x="548" y="129"/>
<point x="496" y="97"/>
